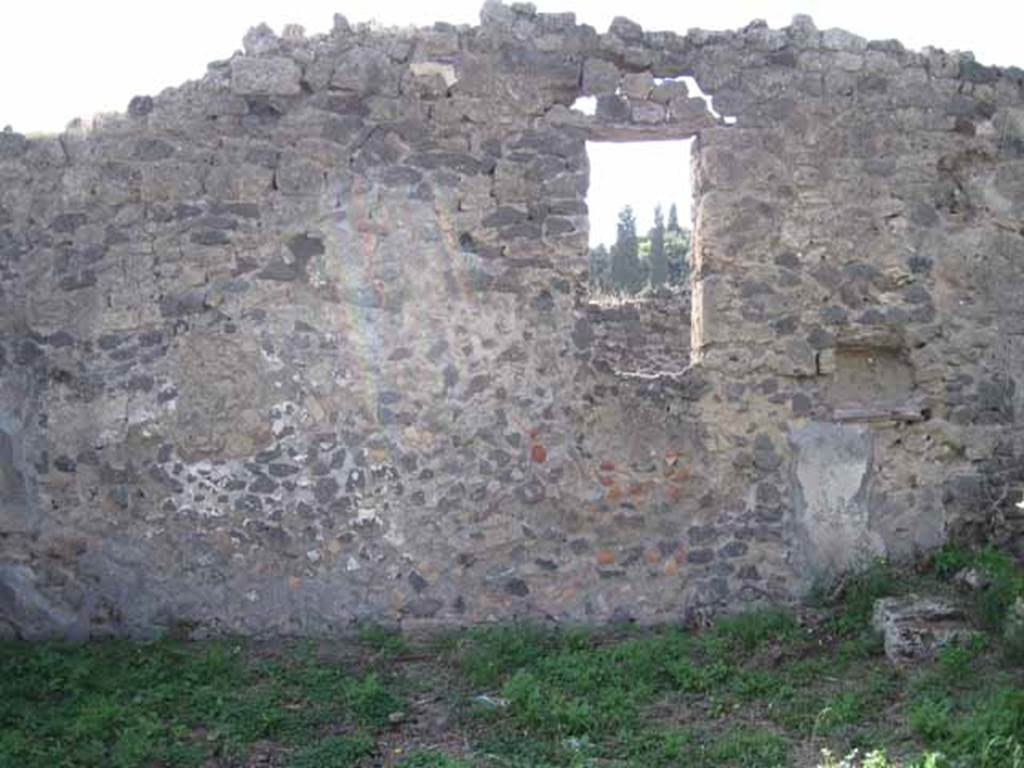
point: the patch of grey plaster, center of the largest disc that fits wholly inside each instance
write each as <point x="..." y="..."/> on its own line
<point x="831" y="475"/>
<point x="32" y="613"/>
<point x="16" y="508"/>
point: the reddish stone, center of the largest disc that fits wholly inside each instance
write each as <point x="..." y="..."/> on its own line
<point x="605" y="557"/>
<point x="606" y="481"/>
<point x="607" y="466"/>
<point x="538" y="454"/>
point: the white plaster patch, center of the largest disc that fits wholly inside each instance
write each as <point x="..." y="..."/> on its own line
<point x="832" y="462"/>
<point x="428" y="68"/>
<point x="364" y="515"/>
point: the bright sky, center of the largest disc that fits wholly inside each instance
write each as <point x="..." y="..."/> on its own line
<point x="66" y="58"/>
<point x="642" y="174"/>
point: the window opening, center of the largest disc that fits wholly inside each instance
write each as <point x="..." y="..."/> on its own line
<point x="639" y="208"/>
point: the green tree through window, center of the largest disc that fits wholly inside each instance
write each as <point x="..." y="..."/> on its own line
<point x="634" y="263"/>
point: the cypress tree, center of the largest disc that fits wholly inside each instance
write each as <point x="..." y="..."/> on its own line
<point x="658" y="261"/>
<point x="673" y="218"/>
<point x="626" y="274"/>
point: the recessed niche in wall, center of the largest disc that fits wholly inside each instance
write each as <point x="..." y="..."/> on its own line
<point x="638" y="203"/>
<point x="871" y="383"/>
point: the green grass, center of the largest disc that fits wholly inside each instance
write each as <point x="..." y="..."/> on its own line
<point x="1004" y="581"/>
<point x="490" y="653"/>
<point x="862" y="589"/>
<point x="986" y="730"/>
<point x="431" y="759"/>
<point x="990" y="606"/>
<point x="334" y="752"/>
<point x="387" y="642"/>
<point x="750" y="630"/>
<point x="119" y="704"/>
<point x="755" y="689"/>
<point x="749" y="748"/>
<point x="566" y="688"/>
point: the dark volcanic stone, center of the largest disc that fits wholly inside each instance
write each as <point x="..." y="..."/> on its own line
<point x="517" y="587"/>
<point x="140" y="106"/>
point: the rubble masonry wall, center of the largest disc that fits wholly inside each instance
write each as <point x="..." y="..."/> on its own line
<point x="309" y="340"/>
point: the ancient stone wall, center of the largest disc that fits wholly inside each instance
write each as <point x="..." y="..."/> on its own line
<point x="309" y="340"/>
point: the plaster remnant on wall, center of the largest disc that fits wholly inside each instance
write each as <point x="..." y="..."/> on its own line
<point x="831" y="510"/>
<point x="434" y="68"/>
<point x="16" y="507"/>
